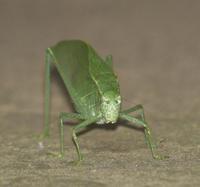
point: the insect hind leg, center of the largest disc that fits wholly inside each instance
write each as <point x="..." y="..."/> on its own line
<point x="47" y="94"/>
<point x="109" y="60"/>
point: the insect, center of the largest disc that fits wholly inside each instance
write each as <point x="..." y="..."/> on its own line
<point x="93" y="88"/>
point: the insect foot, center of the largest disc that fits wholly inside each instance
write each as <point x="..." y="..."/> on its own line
<point x="160" y="157"/>
<point x="76" y="162"/>
<point x="58" y="155"/>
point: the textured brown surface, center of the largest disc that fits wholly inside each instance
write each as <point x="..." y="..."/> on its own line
<point x="156" y="47"/>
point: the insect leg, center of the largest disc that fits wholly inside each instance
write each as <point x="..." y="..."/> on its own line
<point x="137" y="108"/>
<point x="80" y="126"/>
<point x="64" y="117"/>
<point x="108" y="60"/>
<point x="147" y="132"/>
<point x="47" y="94"/>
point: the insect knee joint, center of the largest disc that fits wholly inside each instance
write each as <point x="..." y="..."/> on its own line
<point x="74" y="135"/>
<point x="145" y="126"/>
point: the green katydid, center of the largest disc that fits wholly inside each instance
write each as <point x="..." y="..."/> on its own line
<point x="93" y="88"/>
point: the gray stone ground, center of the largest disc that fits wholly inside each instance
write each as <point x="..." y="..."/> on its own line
<point x="156" y="49"/>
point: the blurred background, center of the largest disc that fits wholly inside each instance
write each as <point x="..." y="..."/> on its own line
<point x="155" y="46"/>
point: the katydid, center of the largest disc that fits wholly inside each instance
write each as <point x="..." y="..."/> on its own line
<point x="94" y="89"/>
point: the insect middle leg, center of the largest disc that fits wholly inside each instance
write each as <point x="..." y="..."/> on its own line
<point x="147" y="132"/>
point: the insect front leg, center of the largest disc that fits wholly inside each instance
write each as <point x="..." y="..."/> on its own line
<point x="137" y="108"/>
<point x="77" y="129"/>
<point x="140" y="110"/>
<point x="147" y="132"/>
<point x="65" y="117"/>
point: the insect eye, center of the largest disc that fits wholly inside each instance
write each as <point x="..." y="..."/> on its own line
<point x="117" y="101"/>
